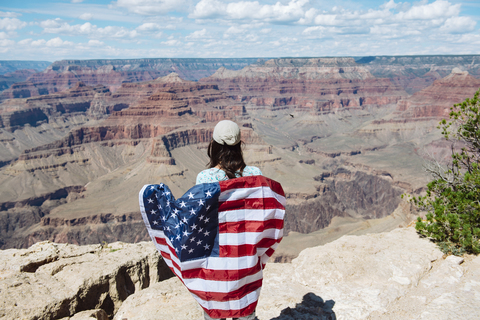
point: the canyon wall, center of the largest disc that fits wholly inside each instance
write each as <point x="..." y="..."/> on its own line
<point x="344" y="144"/>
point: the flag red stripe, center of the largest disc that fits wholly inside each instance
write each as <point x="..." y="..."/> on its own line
<point x="161" y="241"/>
<point x="218" y="313"/>
<point x="245" y="249"/>
<point x="224" y="275"/>
<point x="228" y="296"/>
<point x="255" y="203"/>
<point x="250" y="226"/>
<point x="269" y="252"/>
<point x="251" y="182"/>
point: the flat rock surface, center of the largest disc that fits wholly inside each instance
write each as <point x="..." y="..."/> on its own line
<point x="393" y="275"/>
<point x="390" y="275"/>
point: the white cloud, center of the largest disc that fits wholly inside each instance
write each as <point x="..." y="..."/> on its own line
<point x="25" y="42"/>
<point x="327" y="20"/>
<point x="249" y="10"/>
<point x="95" y="43"/>
<point x="11" y="24"/>
<point x="76" y="1"/>
<point x="458" y="25"/>
<point x="57" y="42"/>
<point x="208" y="9"/>
<point x="149" y="26"/>
<point x="87" y="29"/>
<point x="172" y="42"/>
<point x="197" y="35"/>
<point x="86" y="16"/>
<point x="3" y="35"/>
<point x="437" y="9"/>
<point x="4" y="14"/>
<point x="151" y="7"/>
<point x="38" y="43"/>
<point x="6" y="43"/>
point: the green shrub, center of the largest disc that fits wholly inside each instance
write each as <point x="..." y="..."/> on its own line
<point x="452" y="200"/>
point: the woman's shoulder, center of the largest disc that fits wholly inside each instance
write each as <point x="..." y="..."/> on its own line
<point x="210" y="175"/>
<point x="252" y="171"/>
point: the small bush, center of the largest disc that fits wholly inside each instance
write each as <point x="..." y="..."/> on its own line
<point x="452" y="200"/>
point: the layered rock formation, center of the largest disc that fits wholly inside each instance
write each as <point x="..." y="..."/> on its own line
<point x="394" y="275"/>
<point x="326" y="129"/>
<point x="415" y="73"/>
<point x="62" y="75"/>
<point x="319" y="85"/>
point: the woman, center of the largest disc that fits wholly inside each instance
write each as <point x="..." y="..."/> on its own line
<point x="225" y="153"/>
<point x="226" y="162"/>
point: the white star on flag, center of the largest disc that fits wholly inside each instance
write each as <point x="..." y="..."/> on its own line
<point x="190" y="195"/>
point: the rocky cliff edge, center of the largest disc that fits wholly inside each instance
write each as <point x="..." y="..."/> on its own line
<point x="393" y="275"/>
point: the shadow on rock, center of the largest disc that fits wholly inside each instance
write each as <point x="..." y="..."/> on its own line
<point x="312" y="307"/>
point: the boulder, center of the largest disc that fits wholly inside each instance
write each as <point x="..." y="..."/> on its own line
<point x="53" y="281"/>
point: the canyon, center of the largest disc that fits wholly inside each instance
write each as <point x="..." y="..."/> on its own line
<point x="344" y="136"/>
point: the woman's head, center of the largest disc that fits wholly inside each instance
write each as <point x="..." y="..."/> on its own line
<point x="225" y="149"/>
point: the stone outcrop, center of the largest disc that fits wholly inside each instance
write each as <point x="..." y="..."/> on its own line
<point x="393" y="275"/>
<point x="54" y="281"/>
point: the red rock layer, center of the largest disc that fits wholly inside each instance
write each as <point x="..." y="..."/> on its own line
<point x="435" y="101"/>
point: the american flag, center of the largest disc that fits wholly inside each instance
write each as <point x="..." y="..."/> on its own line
<point x="217" y="238"/>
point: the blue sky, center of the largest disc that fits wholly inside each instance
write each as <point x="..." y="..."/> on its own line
<point x="84" y="29"/>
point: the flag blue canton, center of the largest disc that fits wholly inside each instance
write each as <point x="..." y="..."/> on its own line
<point x="190" y="222"/>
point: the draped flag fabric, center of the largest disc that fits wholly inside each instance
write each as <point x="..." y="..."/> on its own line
<point x="217" y="238"/>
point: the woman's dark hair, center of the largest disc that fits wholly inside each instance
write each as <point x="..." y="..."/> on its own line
<point x="229" y="158"/>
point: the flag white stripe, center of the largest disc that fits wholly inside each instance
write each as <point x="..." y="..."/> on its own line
<point x="232" y="304"/>
<point x="221" y="263"/>
<point x="250" y="215"/>
<point x="249" y="193"/>
<point x="236" y="239"/>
